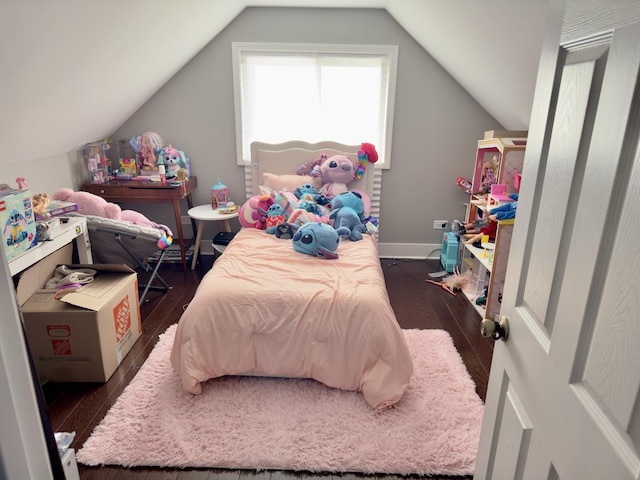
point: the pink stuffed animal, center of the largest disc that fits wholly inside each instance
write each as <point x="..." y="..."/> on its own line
<point x="336" y="171"/>
<point x="90" y="204"/>
<point x="253" y="213"/>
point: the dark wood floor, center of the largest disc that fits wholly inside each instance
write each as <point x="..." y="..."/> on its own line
<point x="80" y="407"/>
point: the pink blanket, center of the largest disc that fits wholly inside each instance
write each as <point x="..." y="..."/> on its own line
<point x="264" y="309"/>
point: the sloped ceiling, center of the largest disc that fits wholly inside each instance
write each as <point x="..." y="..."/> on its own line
<point x="73" y="70"/>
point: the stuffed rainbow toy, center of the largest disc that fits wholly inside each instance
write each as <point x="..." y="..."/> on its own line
<point x="366" y="154"/>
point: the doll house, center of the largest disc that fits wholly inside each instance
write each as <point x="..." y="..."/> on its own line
<point x="496" y="175"/>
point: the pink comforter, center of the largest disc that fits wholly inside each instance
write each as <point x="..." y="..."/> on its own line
<point x="264" y="309"/>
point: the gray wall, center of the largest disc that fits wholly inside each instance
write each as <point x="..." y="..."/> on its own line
<point x="436" y="126"/>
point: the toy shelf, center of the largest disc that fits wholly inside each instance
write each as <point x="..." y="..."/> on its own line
<point x="498" y="161"/>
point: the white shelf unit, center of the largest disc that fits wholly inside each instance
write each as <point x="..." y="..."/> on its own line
<point x="506" y="154"/>
<point x="509" y="155"/>
<point x="488" y="267"/>
<point x="75" y="230"/>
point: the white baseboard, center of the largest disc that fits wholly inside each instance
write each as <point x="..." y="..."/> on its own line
<point x="430" y="251"/>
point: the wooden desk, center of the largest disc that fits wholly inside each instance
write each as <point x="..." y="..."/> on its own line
<point x="150" y="192"/>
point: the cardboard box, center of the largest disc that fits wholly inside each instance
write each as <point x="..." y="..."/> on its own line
<point x="83" y="336"/>
<point x="17" y="222"/>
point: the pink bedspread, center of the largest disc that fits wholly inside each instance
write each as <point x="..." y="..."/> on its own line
<point x="264" y="309"/>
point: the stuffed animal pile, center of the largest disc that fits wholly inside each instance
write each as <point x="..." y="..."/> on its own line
<point x="90" y="204"/>
<point x="316" y="219"/>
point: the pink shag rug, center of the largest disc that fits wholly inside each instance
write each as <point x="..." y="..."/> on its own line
<point x="295" y="424"/>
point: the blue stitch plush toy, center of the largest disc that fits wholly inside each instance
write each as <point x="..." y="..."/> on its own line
<point x="316" y="239"/>
<point x="276" y="215"/>
<point x="347" y="214"/>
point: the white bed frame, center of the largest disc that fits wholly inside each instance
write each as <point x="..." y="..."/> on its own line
<point x="284" y="158"/>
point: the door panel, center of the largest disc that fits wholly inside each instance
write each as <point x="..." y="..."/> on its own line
<point x="563" y="397"/>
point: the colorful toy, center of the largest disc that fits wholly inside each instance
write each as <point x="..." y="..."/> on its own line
<point x="15" y="229"/>
<point x="453" y="283"/>
<point x="40" y="202"/>
<point x="284" y="231"/>
<point x="173" y="160"/>
<point x="464" y="184"/>
<point x="22" y="183"/>
<point x="337" y="172"/>
<point x="506" y="211"/>
<point x="253" y="212"/>
<point x="310" y="199"/>
<point x="310" y="193"/>
<point x="317" y="239"/>
<point x="366" y="154"/>
<point x="147" y="148"/>
<point x="300" y="216"/>
<point x="275" y="216"/>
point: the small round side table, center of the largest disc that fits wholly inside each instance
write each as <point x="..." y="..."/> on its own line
<point x="204" y="213"/>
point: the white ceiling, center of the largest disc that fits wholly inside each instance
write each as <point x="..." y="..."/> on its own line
<point x="74" y="70"/>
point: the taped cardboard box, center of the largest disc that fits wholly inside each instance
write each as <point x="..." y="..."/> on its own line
<point x="83" y="336"/>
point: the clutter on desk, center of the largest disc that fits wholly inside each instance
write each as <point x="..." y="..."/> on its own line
<point x="144" y="155"/>
<point x="98" y="163"/>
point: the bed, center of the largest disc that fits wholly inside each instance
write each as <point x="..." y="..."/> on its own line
<point x="265" y="309"/>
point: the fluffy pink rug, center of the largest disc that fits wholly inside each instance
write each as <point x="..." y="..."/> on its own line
<point x="295" y="424"/>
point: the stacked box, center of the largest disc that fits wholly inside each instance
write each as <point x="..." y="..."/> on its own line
<point x="17" y="222"/>
<point x="83" y="336"/>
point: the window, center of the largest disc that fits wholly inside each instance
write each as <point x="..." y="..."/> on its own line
<point x="343" y="93"/>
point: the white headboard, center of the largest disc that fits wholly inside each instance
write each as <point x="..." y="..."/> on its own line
<point x="284" y="158"/>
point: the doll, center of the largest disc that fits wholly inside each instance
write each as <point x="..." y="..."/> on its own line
<point x="147" y="146"/>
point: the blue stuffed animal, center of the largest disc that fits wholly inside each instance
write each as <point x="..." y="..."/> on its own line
<point x="347" y="214"/>
<point x="276" y="215"/>
<point x="317" y="239"/>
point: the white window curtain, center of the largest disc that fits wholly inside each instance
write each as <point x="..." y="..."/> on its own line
<point x="342" y="93"/>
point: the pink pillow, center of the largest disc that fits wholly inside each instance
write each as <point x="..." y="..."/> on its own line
<point x="289" y="182"/>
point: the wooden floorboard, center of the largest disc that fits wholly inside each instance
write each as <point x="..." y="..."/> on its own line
<point x="417" y="304"/>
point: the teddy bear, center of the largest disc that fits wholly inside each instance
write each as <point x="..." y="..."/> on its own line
<point x="90" y="204"/>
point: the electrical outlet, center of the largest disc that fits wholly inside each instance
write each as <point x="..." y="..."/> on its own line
<point x="440" y="224"/>
<point x="186" y="220"/>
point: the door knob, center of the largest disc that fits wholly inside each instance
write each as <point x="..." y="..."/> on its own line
<point x="496" y="330"/>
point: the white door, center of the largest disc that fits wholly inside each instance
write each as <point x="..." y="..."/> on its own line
<point x="563" y="399"/>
